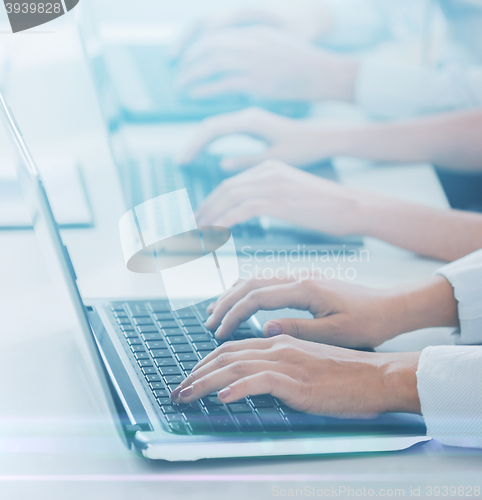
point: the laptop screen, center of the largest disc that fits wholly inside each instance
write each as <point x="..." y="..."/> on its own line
<point x="56" y="256"/>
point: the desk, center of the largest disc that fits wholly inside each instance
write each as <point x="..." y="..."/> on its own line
<point x="55" y="440"/>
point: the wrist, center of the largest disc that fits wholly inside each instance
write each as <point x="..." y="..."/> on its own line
<point x="398" y="375"/>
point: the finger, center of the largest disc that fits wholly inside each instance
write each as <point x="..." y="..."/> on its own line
<point x="238" y="345"/>
<point x="268" y="299"/>
<point x="244" y="162"/>
<point x="279" y="385"/>
<point x="225" y="359"/>
<point x="220" y="126"/>
<point x="226" y="302"/>
<point x="242" y="212"/>
<point x="218" y="379"/>
<point x="323" y="330"/>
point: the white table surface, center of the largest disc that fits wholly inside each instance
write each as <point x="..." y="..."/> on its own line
<point x="55" y="440"/>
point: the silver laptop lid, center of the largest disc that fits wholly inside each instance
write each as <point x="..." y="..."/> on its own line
<point x="57" y="259"/>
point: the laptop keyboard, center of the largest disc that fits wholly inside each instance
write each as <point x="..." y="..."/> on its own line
<point x="164" y="346"/>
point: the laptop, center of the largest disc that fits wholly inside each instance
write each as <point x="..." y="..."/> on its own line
<point x="147" y="175"/>
<point x="137" y="351"/>
<point x="143" y="77"/>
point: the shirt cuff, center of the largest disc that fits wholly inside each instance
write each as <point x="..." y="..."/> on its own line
<point x="449" y="383"/>
<point x="465" y="276"/>
<point x="388" y="89"/>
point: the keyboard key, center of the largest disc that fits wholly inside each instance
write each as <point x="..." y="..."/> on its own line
<point x="161" y="353"/>
<point x="170" y="332"/>
<point x="216" y="410"/>
<point x="154" y="378"/>
<point x="271" y="419"/>
<point x="191" y="409"/>
<point x="178" y="427"/>
<point x="117" y="308"/>
<point x="163" y="317"/>
<point x="187" y="356"/>
<point x="130" y="335"/>
<point x="240" y="408"/>
<point x="138" y="348"/>
<point x="262" y="401"/>
<point x="248" y="422"/>
<point x="152" y="336"/>
<point x="211" y="401"/>
<point x="204" y="346"/>
<point x="223" y="423"/>
<point x="188" y="365"/>
<point x="149" y="370"/>
<point x="141" y="355"/>
<point x="155" y="386"/>
<point x="134" y="340"/>
<point x="127" y="328"/>
<point x="174" y="379"/>
<point x="167" y="324"/>
<point x="203" y="354"/>
<point x="244" y="326"/>
<point x="178" y="340"/>
<point x="137" y="308"/>
<point x="124" y="321"/>
<point x="194" y="329"/>
<point x="203" y="313"/>
<point x="200" y="337"/>
<point x="185" y="314"/>
<point x="199" y="424"/>
<point x="144" y="320"/>
<point x="121" y="312"/>
<point x="169" y="370"/>
<point x="161" y="362"/>
<point x="164" y="401"/>
<point x="179" y="348"/>
<point x="190" y="322"/>
<point x="243" y="334"/>
<point x="173" y="417"/>
<point x="161" y="393"/>
<point x="144" y="362"/>
<point x="168" y="409"/>
<point x="156" y="344"/>
<point x="302" y="421"/>
<point x="160" y="306"/>
<point x="147" y="329"/>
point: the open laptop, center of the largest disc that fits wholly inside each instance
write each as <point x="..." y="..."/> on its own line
<point x="143" y="77"/>
<point x="137" y="351"/>
<point x="145" y="175"/>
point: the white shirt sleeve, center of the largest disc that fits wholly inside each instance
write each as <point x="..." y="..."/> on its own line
<point x="449" y="383"/>
<point x="387" y="89"/>
<point x="465" y="276"/>
<point x="449" y="378"/>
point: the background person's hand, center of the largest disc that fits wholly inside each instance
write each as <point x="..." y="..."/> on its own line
<point x="309" y="20"/>
<point x="278" y="190"/>
<point x="264" y="63"/>
<point x="296" y="142"/>
<point x="344" y="314"/>
<point x="309" y="377"/>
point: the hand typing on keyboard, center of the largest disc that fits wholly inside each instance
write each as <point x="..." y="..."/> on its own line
<point x="306" y="376"/>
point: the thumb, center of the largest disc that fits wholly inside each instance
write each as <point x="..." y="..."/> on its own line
<point x="317" y="330"/>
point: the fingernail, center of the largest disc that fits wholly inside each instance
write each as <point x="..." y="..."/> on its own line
<point x="208" y="321"/>
<point x="186" y="392"/>
<point x="224" y="393"/>
<point x="274" y="329"/>
<point x="175" y="393"/>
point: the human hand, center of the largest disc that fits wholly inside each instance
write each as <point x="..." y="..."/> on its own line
<point x="279" y="190"/>
<point x="308" y="377"/>
<point x="296" y="142"/>
<point x="310" y="21"/>
<point x="265" y="63"/>
<point x="344" y="314"/>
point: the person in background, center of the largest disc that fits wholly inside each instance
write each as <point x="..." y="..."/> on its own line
<point x="305" y="363"/>
<point x="307" y="54"/>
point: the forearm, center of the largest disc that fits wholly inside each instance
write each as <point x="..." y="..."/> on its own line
<point x="439" y="234"/>
<point x="451" y="140"/>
